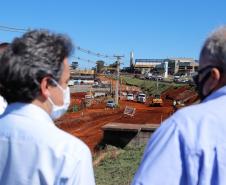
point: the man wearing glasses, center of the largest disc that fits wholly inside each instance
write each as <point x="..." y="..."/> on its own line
<point x="3" y="103"/>
<point x="190" y="146"/>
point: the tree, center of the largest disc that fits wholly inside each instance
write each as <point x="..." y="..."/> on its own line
<point x="100" y="66"/>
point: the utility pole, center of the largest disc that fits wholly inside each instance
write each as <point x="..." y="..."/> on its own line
<point x="157" y="81"/>
<point x="117" y="77"/>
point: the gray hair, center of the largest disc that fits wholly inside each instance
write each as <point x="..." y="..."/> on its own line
<point x="214" y="48"/>
<point x="30" y="58"/>
<point x="3" y="46"/>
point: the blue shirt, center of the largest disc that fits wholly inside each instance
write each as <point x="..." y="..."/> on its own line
<point x="33" y="151"/>
<point x="3" y="105"/>
<point x="189" y="147"/>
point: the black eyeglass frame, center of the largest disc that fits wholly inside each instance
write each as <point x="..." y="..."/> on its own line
<point x="196" y="77"/>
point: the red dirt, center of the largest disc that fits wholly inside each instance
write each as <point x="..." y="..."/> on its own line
<point x="183" y="93"/>
<point x="87" y="127"/>
<point x="87" y="124"/>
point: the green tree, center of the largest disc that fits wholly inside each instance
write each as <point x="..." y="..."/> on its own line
<point x="100" y="66"/>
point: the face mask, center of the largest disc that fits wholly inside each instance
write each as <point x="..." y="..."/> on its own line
<point x="200" y="84"/>
<point x="58" y="111"/>
<point x="200" y="87"/>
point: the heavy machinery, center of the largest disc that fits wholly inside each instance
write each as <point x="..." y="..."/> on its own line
<point x="157" y="100"/>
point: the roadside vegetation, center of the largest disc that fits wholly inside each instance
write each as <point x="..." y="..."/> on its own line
<point x="119" y="166"/>
<point x="149" y="86"/>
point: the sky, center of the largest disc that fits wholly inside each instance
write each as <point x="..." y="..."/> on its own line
<point x="151" y="28"/>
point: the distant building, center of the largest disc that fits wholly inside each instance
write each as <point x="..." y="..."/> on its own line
<point x="173" y="65"/>
<point x="82" y="72"/>
<point x="164" y="66"/>
<point x="146" y="65"/>
<point x="74" y="65"/>
<point x="182" y="65"/>
<point x="83" y="75"/>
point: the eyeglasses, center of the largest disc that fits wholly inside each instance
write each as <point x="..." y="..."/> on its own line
<point x="196" y="77"/>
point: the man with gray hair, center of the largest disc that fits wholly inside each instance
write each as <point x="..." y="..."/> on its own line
<point x="190" y="146"/>
<point x="3" y="103"/>
<point x="34" y="82"/>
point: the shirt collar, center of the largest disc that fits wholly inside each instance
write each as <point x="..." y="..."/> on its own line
<point x="28" y="110"/>
<point x="216" y="94"/>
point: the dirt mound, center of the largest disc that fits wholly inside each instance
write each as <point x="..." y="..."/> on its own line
<point x="185" y="94"/>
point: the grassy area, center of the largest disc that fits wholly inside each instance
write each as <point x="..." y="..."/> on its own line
<point x="148" y="86"/>
<point x="119" y="166"/>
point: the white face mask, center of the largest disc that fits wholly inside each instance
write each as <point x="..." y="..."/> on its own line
<point x="58" y="111"/>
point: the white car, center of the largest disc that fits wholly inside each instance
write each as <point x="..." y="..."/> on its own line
<point x="71" y="83"/>
<point x="111" y="104"/>
<point x="130" y="97"/>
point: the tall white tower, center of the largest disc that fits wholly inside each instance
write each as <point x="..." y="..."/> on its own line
<point x="131" y="59"/>
<point x="166" y="69"/>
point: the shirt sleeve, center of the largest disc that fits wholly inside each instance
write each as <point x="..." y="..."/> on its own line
<point x="162" y="159"/>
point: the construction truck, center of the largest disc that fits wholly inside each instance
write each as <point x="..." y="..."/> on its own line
<point x="141" y="98"/>
<point x="157" y="100"/>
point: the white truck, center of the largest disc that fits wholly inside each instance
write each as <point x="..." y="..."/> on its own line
<point x="141" y="98"/>
<point x="130" y="97"/>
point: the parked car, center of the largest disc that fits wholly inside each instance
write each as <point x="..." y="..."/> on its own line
<point x="71" y="82"/>
<point x="148" y="75"/>
<point x="88" y="96"/>
<point x="156" y="77"/>
<point x="159" y="77"/>
<point x="130" y="97"/>
<point x="98" y="94"/>
<point x="111" y="104"/>
<point x="176" y="78"/>
<point x="181" y="79"/>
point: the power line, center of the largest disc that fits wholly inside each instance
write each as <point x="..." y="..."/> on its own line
<point x="8" y="30"/>
<point x="85" y="60"/>
<point x="88" y="60"/>
<point x="87" y="51"/>
<point x="13" y="28"/>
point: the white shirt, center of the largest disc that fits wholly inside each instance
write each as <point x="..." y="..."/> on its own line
<point x="3" y="105"/>
<point x="33" y="151"/>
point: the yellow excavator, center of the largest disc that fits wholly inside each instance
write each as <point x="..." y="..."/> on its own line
<point x="157" y="100"/>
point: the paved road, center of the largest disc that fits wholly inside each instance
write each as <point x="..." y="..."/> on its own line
<point x="87" y="88"/>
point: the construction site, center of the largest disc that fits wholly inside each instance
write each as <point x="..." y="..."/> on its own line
<point x="117" y="133"/>
<point x="98" y="125"/>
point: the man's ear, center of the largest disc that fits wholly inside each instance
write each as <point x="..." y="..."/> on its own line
<point x="214" y="80"/>
<point x="215" y="76"/>
<point x="44" y="87"/>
